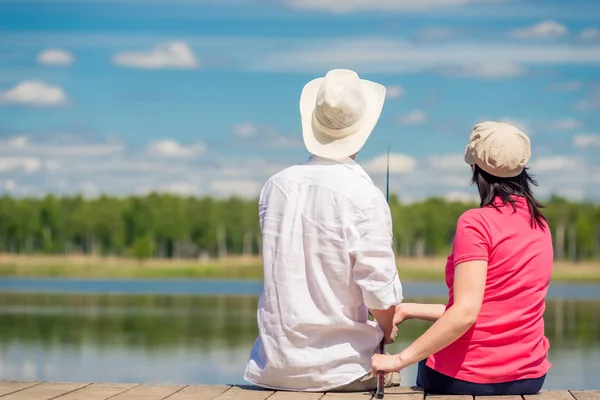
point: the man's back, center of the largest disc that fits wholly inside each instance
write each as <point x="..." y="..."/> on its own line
<point x="327" y="257"/>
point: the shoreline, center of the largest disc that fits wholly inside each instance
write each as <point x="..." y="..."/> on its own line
<point x="239" y="268"/>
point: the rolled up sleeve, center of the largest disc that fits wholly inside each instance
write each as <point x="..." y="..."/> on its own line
<point x="374" y="268"/>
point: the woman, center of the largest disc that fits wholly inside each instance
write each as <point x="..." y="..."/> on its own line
<point x="489" y="338"/>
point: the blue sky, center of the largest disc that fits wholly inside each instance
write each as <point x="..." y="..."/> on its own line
<point x="201" y="96"/>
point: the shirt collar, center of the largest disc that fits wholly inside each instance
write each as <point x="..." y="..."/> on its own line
<point x="345" y="161"/>
<point x="519" y="201"/>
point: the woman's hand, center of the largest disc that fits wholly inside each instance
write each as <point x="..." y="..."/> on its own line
<point x="386" y="363"/>
<point x="400" y="314"/>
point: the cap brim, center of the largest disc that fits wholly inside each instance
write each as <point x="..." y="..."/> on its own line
<point x="469" y="159"/>
<point x="375" y="97"/>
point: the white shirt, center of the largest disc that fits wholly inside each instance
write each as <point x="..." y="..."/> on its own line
<point x="327" y="253"/>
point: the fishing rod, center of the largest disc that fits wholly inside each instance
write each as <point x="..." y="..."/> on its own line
<point x="380" y="374"/>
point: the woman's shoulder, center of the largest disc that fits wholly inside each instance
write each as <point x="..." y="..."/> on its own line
<point x="472" y="216"/>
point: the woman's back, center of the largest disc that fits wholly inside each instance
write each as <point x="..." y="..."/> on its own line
<point x="507" y="342"/>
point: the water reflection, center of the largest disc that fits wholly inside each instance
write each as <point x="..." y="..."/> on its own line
<point x="206" y="339"/>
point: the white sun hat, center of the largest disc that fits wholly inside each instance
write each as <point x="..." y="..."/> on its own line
<point x="339" y="112"/>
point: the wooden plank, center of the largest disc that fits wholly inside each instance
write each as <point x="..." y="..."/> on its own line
<point x="149" y="392"/>
<point x="550" y="395"/>
<point x="99" y="391"/>
<point x="444" y="397"/>
<point x="405" y="390"/>
<point x="403" y="393"/>
<point x="199" y="392"/>
<point x="8" y="387"/>
<point x="498" y="397"/>
<point x="351" y="395"/>
<point x="246" y="393"/>
<point x="586" y="394"/>
<point x="297" y="396"/>
<point x="45" y="391"/>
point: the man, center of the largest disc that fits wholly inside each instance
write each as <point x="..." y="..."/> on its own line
<point x="327" y="251"/>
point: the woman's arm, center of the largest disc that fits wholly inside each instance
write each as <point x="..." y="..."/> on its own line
<point x="427" y="312"/>
<point x="469" y="287"/>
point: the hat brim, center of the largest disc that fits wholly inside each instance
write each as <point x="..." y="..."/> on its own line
<point x="336" y="149"/>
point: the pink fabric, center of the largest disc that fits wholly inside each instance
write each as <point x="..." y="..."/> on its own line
<point x="507" y="342"/>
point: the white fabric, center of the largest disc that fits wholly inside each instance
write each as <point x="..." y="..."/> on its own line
<point x="327" y="250"/>
<point x="338" y="113"/>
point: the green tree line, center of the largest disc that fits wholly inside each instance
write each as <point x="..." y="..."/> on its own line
<point x="169" y="226"/>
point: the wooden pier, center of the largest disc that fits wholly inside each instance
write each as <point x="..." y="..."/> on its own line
<point x="15" y="390"/>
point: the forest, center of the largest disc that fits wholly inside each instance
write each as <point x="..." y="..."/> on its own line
<point x="174" y="227"/>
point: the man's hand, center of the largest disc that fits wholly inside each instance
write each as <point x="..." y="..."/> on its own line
<point x="389" y="335"/>
<point x="386" y="363"/>
<point x="385" y="319"/>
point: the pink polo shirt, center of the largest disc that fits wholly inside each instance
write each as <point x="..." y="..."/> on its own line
<point x="507" y="341"/>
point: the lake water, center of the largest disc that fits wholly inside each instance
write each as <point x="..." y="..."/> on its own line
<point x="201" y="332"/>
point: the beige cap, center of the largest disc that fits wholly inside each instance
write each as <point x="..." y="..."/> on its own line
<point x="498" y="148"/>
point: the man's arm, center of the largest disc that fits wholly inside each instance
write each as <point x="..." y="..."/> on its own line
<point x="385" y="319"/>
<point x="374" y="266"/>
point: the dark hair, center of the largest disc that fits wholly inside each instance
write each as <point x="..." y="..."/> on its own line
<point x="490" y="187"/>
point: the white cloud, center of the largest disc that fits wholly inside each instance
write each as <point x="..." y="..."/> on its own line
<point x="546" y="29"/>
<point x="569" y="86"/>
<point x="379" y="53"/>
<point x="519" y="124"/>
<point x="52" y="165"/>
<point x="462" y="197"/>
<point x="61" y="146"/>
<point x="399" y="164"/>
<point x="264" y="136"/>
<point x="556" y="163"/>
<point x="67" y="164"/>
<point x="8" y="185"/>
<point x="586" y="141"/>
<point x="590" y="34"/>
<point x="387" y="55"/>
<point x="566" y="124"/>
<point x="246" y="129"/>
<point x="89" y="189"/>
<point x="245" y="188"/>
<point x="172" y="149"/>
<point x="283" y="142"/>
<point x="430" y="34"/>
<point x="170" y="55"/>
<point x="394" y="92"/>
<point x="487" y="70"/>
<point x="590" y="103"/>
<point x="413" y="117"/>
<point x="182" y="188"/>
<point x="27" y="164"/>
<point x="448" y="162"/>
<point x="34" y="93"/>
<point x="56" y="57"/>
<point x="347" y="6"/>
<point x="248" y="168"/>
<point x="16" y="142"/>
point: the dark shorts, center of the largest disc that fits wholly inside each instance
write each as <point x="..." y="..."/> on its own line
<point x="436" y="383"/>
